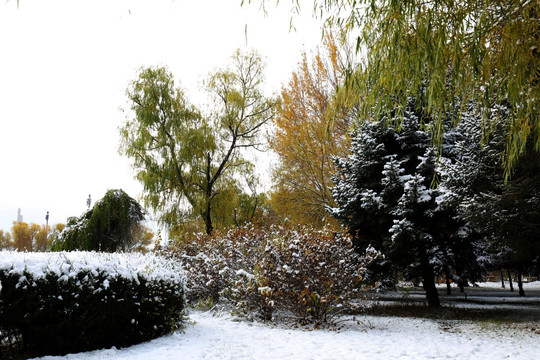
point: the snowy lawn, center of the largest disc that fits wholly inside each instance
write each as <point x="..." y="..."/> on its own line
<point x="369" y="337"/>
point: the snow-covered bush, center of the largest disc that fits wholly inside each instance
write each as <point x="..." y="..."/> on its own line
<point x="310" y="274"/>
<point x="212" y="262"/>
<point x="55" y="303"/>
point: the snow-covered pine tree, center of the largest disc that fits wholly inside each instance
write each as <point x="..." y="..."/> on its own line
<point x="383" y="197"/>
<point x="385" y="194"/>
<point x="462" y="181"/>
<point x="500" y="216"/>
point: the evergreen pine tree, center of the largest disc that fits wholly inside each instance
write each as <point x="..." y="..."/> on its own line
<point x="386" y="194"/>
<point x="503" y="215"/>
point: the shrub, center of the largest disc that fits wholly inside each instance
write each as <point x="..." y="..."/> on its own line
<point x="58" y="303"/>
<point x="313" y="273"/>
<point x="310" y="274"/>
<point x="211" y="262"/>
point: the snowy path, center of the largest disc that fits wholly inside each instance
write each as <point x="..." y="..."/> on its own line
<point x="374" y="338"/>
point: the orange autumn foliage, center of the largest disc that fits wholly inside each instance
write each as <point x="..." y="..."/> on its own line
<point x="311" y="127"/>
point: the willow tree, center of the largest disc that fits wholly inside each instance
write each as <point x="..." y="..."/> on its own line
<point x="111" y="225"/>
<point x="186" y="159"/>
<point x="482" y="50"/>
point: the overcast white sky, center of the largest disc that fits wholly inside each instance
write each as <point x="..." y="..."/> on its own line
<point x="64" y="69"/>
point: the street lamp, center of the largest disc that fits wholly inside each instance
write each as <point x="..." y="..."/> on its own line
<point x="47" y="219"/>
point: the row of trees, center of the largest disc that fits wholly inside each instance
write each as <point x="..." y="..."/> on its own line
<point x="114" y="223"/>
<point x="29" y="237"/>
<point x="193" y="163"/>
<point x="432" y="197"/>
<point x="426" y="149"/>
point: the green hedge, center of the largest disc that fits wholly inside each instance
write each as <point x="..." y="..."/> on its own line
<point x="76" y="302"/>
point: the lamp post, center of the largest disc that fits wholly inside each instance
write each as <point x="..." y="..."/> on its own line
<point x="47" y="219"/>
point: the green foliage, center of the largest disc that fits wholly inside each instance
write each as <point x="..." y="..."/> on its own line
<point x="482" y="50"/>
<point x="185" y="160"/>
<point x="504" y="213"/>
<point x="111" y="225"/>
<point x="385" y="194"/>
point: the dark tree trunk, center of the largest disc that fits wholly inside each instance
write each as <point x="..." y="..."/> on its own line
<point x="510" y="281"/>
<point x="520" y="283"/>
<point x="461" y="284"/>
<point x="208" y="223"/>
<point x="428" y="281"/>
<point x="502" y="279"/>
<point x="447" y="275"/>
<point x="207" y="215"/>
<point x="235" y="218"/>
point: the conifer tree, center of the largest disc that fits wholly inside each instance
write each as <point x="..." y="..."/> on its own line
<point x="503" y="214"/>
<point x="385" y="193"/>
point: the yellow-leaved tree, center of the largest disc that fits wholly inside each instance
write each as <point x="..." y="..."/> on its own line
<point x="5" y="240"/>
<point x="310" y="129"/>
<point x="22" y="240"/>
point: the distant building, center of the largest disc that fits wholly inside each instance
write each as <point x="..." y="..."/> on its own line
<point x="19" y="215"/>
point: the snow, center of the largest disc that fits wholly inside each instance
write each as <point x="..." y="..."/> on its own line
<point x="68" y="264"/>
<point x="367" y="337"/>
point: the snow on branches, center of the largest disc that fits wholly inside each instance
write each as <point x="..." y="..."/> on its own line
<point x="311" y="275"/>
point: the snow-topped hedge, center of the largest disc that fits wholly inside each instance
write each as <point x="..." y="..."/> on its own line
<point x="55" y="303"/>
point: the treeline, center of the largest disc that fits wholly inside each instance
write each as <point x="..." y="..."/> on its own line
<point x="29" y="237"/>
<point x="114" y="223"/>
<point x="414" y="128"/>
<point x="432" y="193"/>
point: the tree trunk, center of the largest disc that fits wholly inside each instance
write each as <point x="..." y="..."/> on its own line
<point x="209" y="186"/>
<point x="510" y="280"/>
<point x="207" y="216"/>
<point x="447" y="275"/>
<point x="520" y="283"/>
<point x="502" y="279"/>
<point x="208" y="222"/>
<point x="235" y="218"/>
<point x="428" y="281"/>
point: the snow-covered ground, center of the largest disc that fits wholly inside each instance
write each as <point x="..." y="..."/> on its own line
<point x="367" y="337"/>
